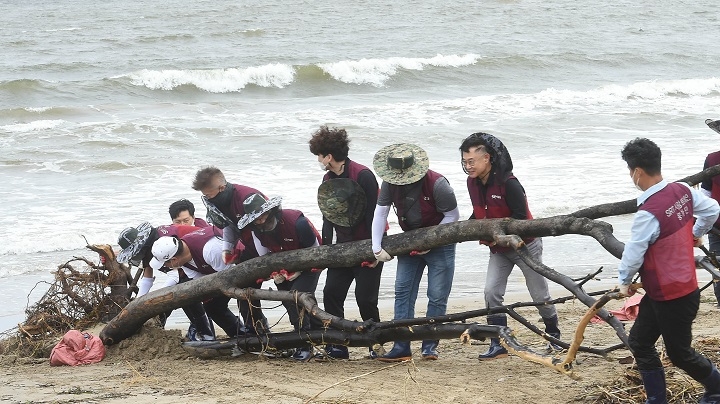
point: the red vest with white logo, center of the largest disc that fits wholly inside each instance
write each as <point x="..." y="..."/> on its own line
<point x="196" y="243"/>
<point x="713" y="159"/>
<point x="429" y="216"/>
<point x="490" y="203"/>
<point x="285" y="237"/>
<point x="360" y="231"/>
<point x="668" y="271"/>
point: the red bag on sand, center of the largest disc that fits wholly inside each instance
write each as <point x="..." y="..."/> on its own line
<point x="77" y="348"/>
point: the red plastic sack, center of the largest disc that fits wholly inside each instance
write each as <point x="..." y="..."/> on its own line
<point x="628" y="312"/>
<point x="77" y="348"/>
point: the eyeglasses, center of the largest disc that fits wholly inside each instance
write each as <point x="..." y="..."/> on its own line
<point x="468" y="163"/>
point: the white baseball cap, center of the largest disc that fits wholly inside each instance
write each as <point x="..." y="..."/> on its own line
<point x="163" y="249"/>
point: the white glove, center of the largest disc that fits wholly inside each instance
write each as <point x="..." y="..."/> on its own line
<point x="144" y="285"/>
<point x="625" y="290"/>
<point x="382" y="255"/>
<point x="278" y="278"/>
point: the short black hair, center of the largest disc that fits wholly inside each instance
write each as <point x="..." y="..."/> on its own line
<point x="330" y="141"/>
<point x="642" y="153"/>
<point x="179" y="206"/>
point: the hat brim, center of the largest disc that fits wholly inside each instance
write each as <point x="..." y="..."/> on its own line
<point x="714" y="125"/>
<point x="155" y="264"/>
<point x="397" y="176"/>
<point x="143" y="233"/>
<point x="250" y="217"/>
<point x="342" y="201"/>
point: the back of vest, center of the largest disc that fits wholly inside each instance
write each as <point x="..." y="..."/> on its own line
<point x="668" y="270"/>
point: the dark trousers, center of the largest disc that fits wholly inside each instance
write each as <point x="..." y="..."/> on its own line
<point x="367" y="285"/>
<point x="252" y="314"/>
<point x="672" y="320"/>
<point x="306" y="282"/>
<point x="218" y="311"/>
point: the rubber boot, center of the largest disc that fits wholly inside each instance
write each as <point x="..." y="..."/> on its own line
<point x="716" y="289"/>
<point x="399" y="352"/>
<point x="654" y="381"/>
<point x="496" y="351"/>
<point x="429" y="349"/>
<point x="712" y="388"/>
<point x="551" y="328"/>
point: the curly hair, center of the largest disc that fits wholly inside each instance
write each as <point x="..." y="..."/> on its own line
<point x="205" y="176"/>
<point x="642" y="153"/>
<point x="330" y="141"/>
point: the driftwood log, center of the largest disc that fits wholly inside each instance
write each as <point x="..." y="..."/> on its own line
<point x="505" y="232"/>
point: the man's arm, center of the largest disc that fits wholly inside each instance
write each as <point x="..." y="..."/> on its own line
<point x="516" y="199"/>
<point x="378" y="226"/>
<point x="306" y="235"/>
<point x="706" y="211"/>
<point x="213" y="255"/>
<point x="645" y="230"/>
<point x="445" y="201"/>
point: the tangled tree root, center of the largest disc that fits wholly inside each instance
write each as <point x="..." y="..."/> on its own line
<point x="78" y="298"/>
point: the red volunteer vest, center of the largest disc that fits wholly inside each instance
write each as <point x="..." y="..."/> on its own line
<point x="492" y="205"/>
<point x="360" y="231"/>
<point x="668" y="271"/>
<point x="196" y="242"/>
<point x="428" y="212"/>
<point x="285" y="237"/>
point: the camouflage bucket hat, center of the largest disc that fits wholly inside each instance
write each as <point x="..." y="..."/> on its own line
<point x="255" y="205"/>
<point x="132" y="240"/>
<point x="342" y="201"/>
<point x="401" y="164"/>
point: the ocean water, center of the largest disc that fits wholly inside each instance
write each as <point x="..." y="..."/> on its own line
<point x="108" y="110"/>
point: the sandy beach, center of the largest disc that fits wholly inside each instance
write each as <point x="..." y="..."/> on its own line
<point x="152" y="367"/>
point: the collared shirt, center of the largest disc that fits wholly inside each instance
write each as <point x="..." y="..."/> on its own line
<point x="646" y="229"/>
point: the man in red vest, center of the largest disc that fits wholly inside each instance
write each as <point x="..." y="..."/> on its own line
<point x="422" y="198"/>
<point x="660" y="248"/>
<point x="224" y="202"/>
<point x="495" y="193"/>
<point x="347" y="199"/>
<point x="711" y="188"/>
<point x="274" y="230"/>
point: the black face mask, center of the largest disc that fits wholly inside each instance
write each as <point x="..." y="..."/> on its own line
<point x="223" y="199"/>
<point x="269" y="224"/>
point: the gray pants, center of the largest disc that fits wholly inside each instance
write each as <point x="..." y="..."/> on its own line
<point x="501" y="265"/>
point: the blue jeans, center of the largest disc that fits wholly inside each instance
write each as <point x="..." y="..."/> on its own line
<point x="440" y="262"/>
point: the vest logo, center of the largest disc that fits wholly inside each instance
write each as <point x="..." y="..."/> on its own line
<point x="427" y="198"/>
<point x="289" y="240"/>
<point x="496" y="196"/>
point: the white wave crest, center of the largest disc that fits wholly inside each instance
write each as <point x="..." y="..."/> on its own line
<point x="377" y="71"/>
<point x="216" y="80"/>
<point x="34" y="125"/>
